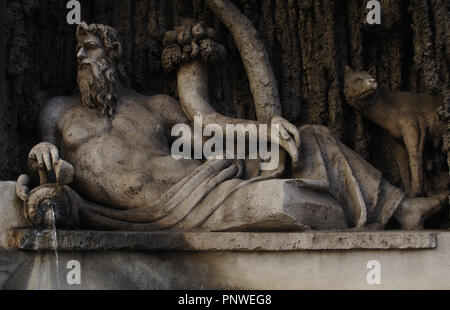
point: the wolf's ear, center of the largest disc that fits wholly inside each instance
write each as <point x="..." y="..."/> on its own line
<point x="348" y="70"/>
<point x="372" y="70"/>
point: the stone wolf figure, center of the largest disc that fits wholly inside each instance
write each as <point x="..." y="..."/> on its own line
<point x="407" y="116"/>
<point x="125" y="178"/>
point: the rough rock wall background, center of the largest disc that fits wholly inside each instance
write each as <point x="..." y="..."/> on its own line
<point x="310" y="42"/>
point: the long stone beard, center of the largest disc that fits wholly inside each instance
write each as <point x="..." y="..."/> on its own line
<point x="97" y="84"/>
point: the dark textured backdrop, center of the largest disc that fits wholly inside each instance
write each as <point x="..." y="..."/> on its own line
<point x="310" y="42"/>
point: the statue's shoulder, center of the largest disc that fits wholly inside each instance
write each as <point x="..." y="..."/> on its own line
<point x="149" y="101"/>
<point x="61" y="102"/>
<point x="162" y="99"/>
<point x="168" y="108"/>
<point x="56" y="107"/>
<point x="163" y="103"/>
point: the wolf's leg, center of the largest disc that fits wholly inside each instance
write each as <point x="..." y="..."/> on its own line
<point x="412" y="138"/>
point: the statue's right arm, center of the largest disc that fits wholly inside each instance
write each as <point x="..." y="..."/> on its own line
<point x="46" y="153"/>
<point x="50" y="114"/>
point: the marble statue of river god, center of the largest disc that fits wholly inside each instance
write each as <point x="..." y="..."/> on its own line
<point x="118" y="172"/>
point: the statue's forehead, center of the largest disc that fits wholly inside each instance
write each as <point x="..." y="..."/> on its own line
<point x="86" y="37"/>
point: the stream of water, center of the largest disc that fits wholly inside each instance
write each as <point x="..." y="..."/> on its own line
<point x="55" y="246"/>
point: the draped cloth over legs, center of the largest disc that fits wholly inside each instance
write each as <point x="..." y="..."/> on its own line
<point x="333" y="174"/>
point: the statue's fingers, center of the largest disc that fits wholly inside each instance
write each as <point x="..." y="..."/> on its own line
<point x="293" y="130"/>
<point x="298" y="141"/>
<point x="47" y="161"/>
<point x="55" y="155"/>
<point x="294" y="154"/>
<point x="40" y="161"/>
<point x="284" y="133"/>
<point x="292" y="149"/>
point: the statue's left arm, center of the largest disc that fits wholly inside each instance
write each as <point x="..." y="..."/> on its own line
<point x="193" y="48"/>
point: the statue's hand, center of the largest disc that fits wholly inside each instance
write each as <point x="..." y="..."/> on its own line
<point x="289" y="138"/>
<point x="46" y="156"/>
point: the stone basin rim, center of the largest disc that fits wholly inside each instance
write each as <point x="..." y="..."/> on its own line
<point x="86" y="241"/>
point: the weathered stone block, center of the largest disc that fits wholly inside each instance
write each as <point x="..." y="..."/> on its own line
<point x="333" y="260"/>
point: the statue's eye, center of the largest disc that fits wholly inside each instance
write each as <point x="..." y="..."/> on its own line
<point x="91" y="46"/>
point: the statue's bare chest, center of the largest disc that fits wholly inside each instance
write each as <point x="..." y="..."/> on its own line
<point x="132" y="124"/>
<point x="80" y="124"/>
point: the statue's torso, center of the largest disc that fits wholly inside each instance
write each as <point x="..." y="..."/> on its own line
<point x="124" y="161"/>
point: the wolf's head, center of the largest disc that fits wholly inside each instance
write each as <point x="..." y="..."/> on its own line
<point x="360" y="88"/>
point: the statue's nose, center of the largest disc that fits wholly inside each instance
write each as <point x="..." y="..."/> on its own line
<point x="81" y="53"/>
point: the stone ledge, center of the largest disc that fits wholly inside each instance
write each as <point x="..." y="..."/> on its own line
<point x="34" y="240"/>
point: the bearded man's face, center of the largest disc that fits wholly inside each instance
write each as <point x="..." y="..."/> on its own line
<point x="96" y="75"/>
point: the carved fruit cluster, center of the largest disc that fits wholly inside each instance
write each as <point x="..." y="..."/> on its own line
<point x="190" y="41"/>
